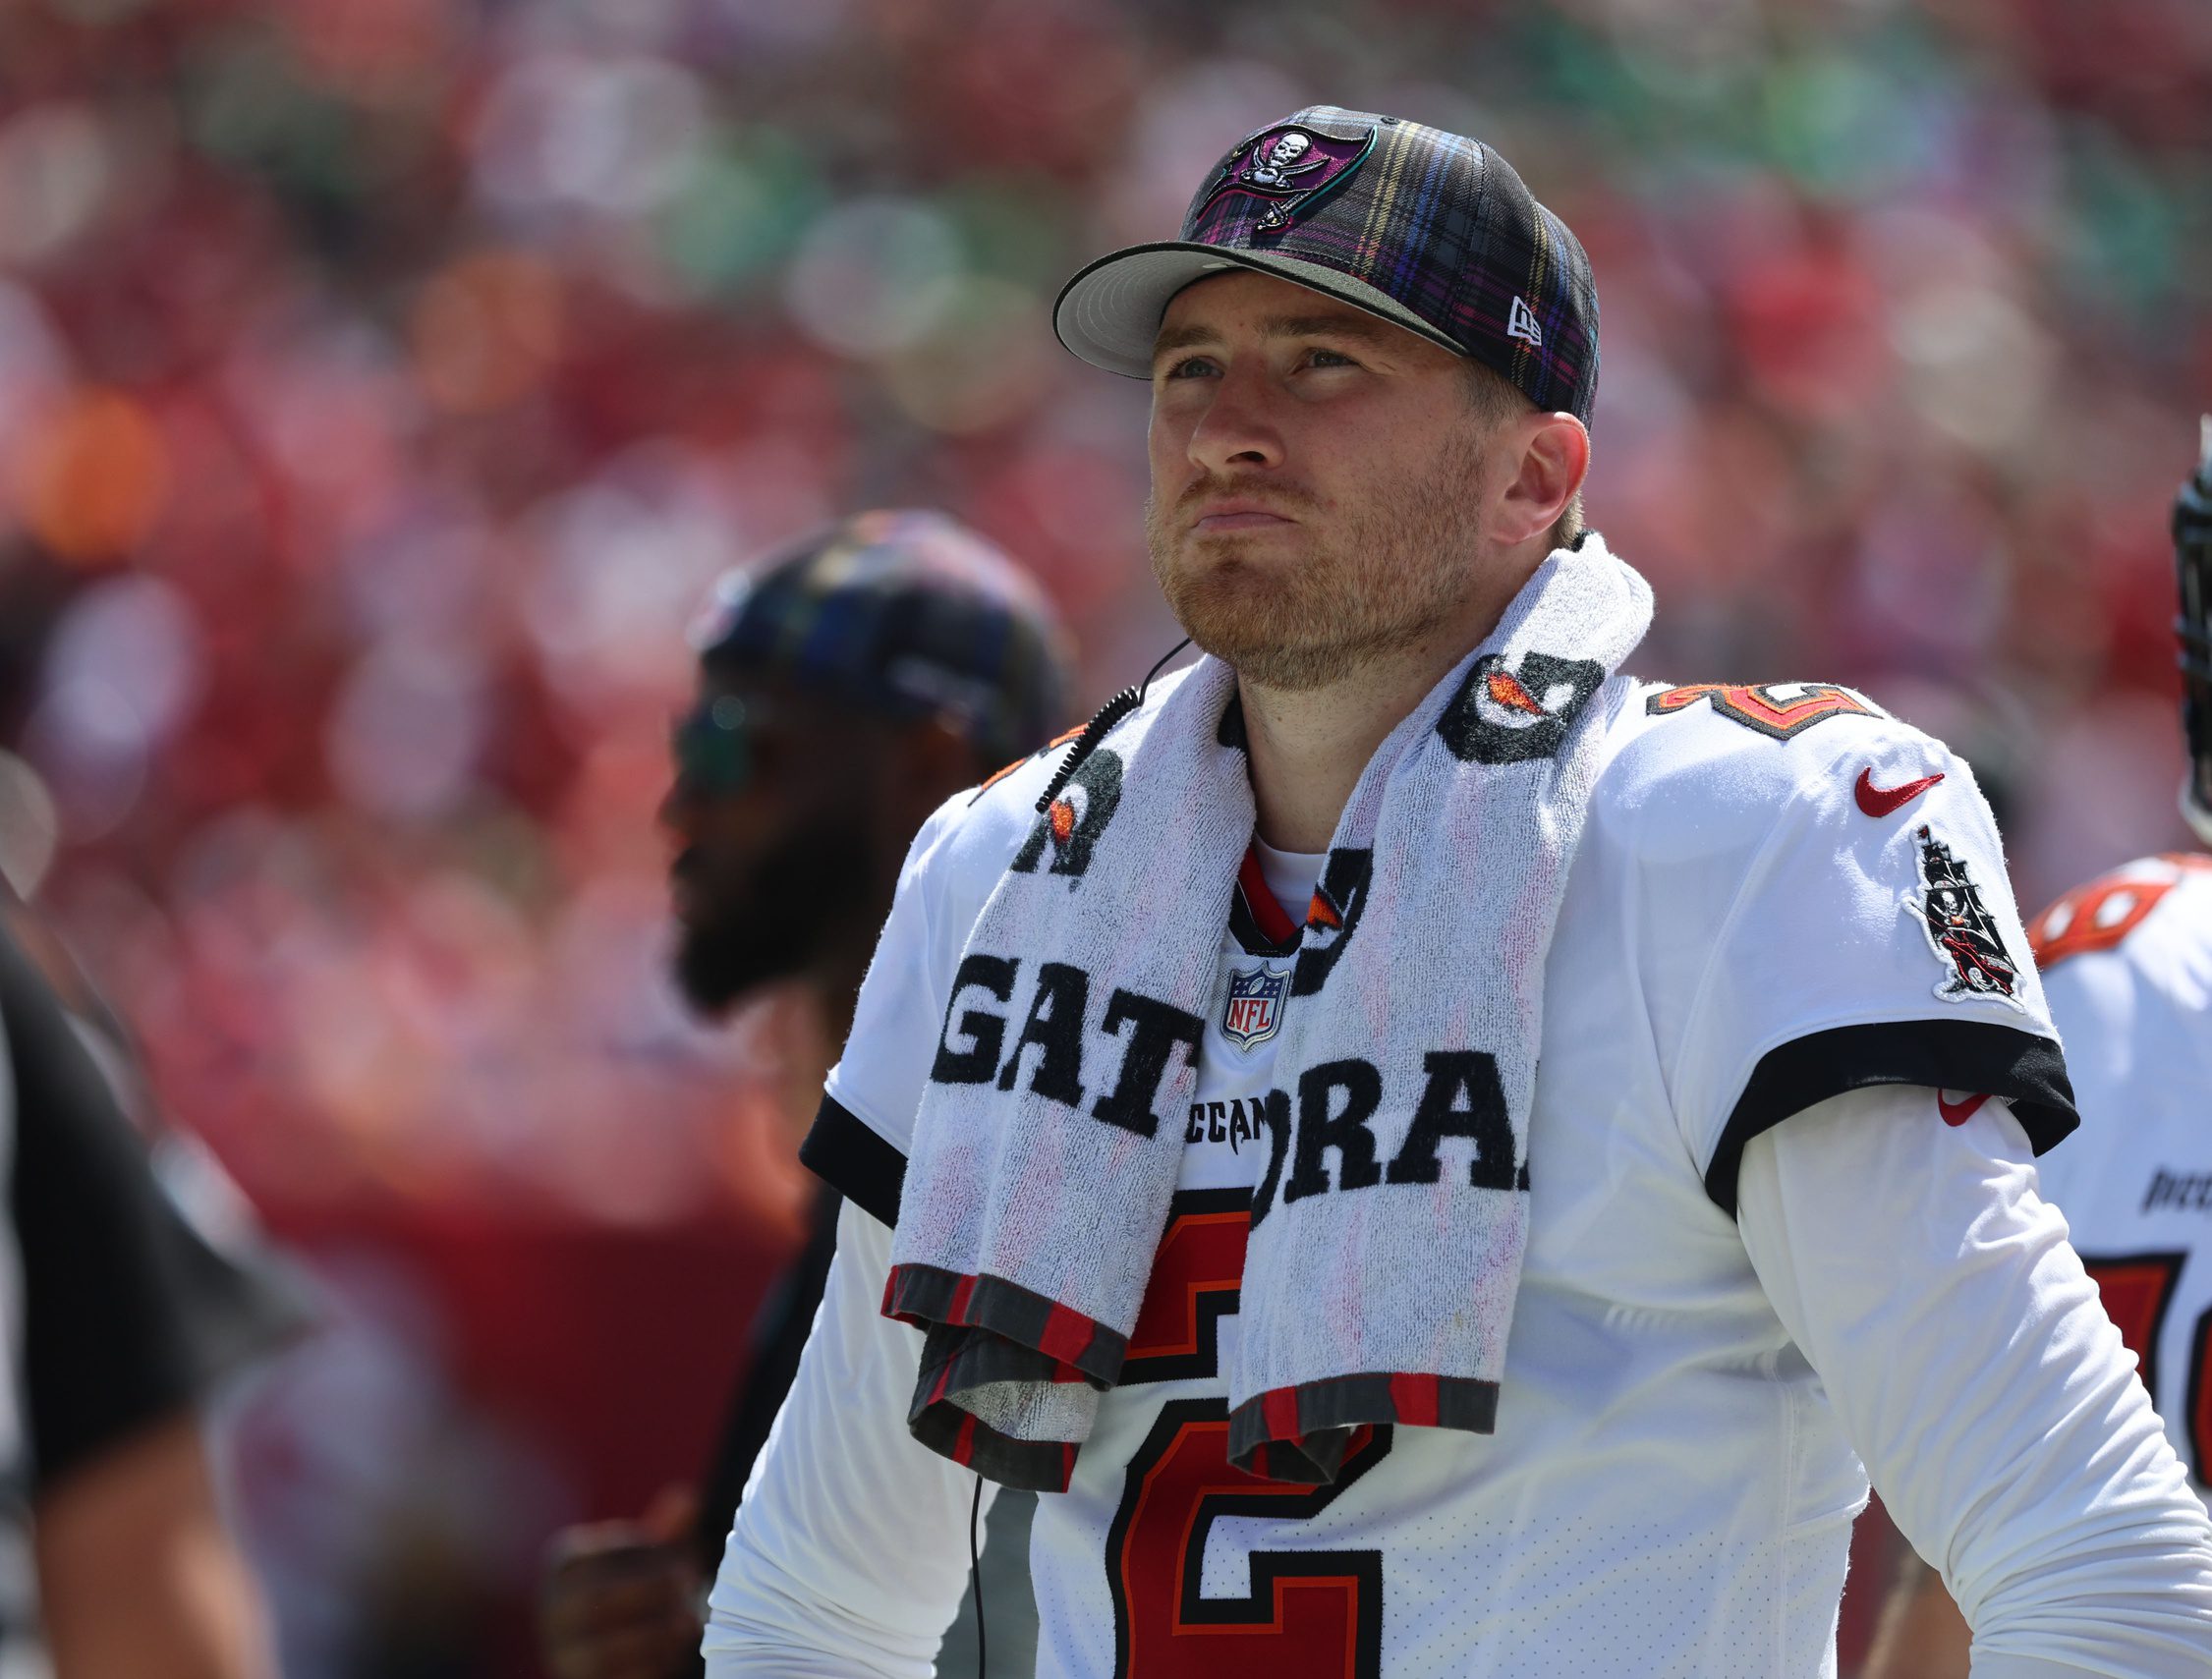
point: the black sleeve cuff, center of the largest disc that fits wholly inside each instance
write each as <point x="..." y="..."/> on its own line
<point x="1980" y="1056"/>
<point x="846" y="1154"/>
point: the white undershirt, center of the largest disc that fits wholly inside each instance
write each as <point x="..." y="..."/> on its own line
<point x="1290" y="876"/>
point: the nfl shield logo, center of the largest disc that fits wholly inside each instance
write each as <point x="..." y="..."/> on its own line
<point x="1253" y="1011"/>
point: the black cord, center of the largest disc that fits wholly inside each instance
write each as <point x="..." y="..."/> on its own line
<point x="974" y="1571"/>
<point x="1097" y="728"/>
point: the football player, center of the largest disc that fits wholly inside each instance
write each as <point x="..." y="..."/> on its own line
<point x="845" y="687"/>
<point x="1431" y="1152"/>
<point x="2127" y="965"/>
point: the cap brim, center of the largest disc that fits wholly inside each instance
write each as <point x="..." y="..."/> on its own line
<point x="1109" y="313"/>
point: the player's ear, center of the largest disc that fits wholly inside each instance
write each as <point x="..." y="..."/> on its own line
<point x="1554" y="458"/>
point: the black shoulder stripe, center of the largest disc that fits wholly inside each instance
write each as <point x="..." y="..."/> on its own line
<point x="845" y="1152"/>
<point x="1975" y="1055"/>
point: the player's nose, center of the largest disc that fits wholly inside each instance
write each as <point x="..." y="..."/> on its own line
<point x="1238" y="427"/>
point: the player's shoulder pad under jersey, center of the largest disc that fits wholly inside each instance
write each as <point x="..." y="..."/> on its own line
<point x="971" y="840"/>
<point x="1854" y="818"/>
<point x="2154" y="915"/>
<point x="1715" y="754"/>
<point x="1820" y="901"/>
<point x="997" y="817"/>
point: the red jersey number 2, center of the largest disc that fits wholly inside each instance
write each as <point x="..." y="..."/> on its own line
<point x="2137" y="1288"/>
<point x="1309" y="1614"/>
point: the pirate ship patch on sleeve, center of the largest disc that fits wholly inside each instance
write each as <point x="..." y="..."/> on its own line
<point x="1961" y="930"/>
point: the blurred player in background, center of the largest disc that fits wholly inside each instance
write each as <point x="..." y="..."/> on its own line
<point x="845" y="689"/>
<point x="2127" y="965"/>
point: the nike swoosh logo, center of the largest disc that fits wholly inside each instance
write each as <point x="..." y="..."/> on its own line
<point x="1958" y="1112"/>
<point x="1888" y="801"/>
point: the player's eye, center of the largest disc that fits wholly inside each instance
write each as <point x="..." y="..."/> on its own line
<point x="1188" y="368"/>
<point x="1320" y="358"/>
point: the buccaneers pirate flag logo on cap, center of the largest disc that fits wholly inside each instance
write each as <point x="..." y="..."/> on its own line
<point x="1292" y="164"/>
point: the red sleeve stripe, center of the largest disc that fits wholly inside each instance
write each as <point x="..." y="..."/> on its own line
<point x="925" y="1296"/>
<point x="1306" y="1434"/>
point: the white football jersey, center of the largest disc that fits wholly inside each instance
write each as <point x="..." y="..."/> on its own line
<point x="1782" y="897"/>
<point x="2128" y="958"/>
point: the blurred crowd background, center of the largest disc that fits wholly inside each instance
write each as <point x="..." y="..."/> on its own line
<point x="382" y="383"/>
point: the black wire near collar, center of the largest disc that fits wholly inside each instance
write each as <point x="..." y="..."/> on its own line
<point x="974" y="1571"/>
<point x="1100" y="726"/>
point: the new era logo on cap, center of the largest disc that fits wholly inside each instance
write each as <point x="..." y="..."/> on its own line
<point x="1522" y="323"/>
<point x="1431" y="230"/>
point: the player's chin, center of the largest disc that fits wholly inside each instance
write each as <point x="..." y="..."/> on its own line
<point x="1277" y="643"/>
<point x="1235" y="573"/>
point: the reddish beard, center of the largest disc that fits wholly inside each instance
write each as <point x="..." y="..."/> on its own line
<point x="1306" y="605"/>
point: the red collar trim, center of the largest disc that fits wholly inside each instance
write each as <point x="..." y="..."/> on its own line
<point x="1274" y="920"/>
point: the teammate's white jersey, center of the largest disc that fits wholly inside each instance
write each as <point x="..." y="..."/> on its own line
<point x="2129" y="964"/>
<point x="1783" y="905"/>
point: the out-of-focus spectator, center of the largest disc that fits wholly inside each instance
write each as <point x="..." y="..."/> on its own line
<point x="845" y="691"/>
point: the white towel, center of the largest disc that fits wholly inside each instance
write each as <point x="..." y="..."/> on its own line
<point x="1388" y="1226"/>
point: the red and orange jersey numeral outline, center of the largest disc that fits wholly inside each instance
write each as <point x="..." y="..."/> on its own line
<point x="1756" y="704"/>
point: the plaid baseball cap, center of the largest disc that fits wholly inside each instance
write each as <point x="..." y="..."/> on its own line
<point x="903" y="612"/>
<point x="1429" y="230"/>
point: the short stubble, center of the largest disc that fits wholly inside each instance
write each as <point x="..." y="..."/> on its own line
<point x="1383" y="574"/>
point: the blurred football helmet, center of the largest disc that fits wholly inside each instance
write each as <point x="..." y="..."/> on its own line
<point x="2192" y="564"/>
